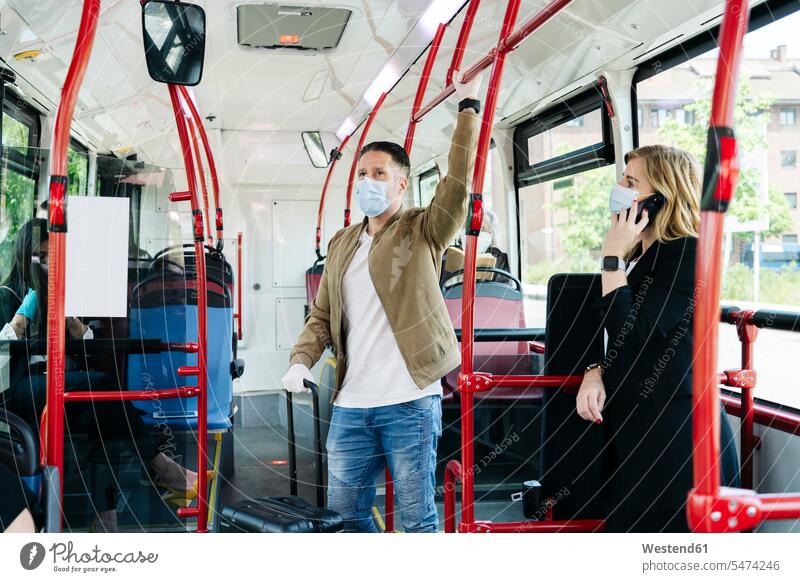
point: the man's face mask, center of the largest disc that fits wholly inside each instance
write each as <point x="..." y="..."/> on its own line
<point x="372" y="196"/>
<point x="621" y="198"/>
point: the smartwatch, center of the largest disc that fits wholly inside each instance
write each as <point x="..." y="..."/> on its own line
<point x="467" y="103"/>
<point x="613" y="264"/>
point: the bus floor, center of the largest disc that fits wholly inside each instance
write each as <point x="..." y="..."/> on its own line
<point x="262" y="470"/>
<point x="115" y="477"/>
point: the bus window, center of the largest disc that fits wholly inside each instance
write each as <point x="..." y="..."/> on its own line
<point x="77" y="169"/>
<point x="760" y="254"/>
<point x="562" y="224"/>
<point x="19" y="174"/>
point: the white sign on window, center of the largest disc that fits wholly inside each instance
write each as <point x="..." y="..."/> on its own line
<point x="97" y="256"/>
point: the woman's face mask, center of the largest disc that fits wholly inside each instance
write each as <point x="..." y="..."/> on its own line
<point x="621" y="198"/>
<point x="372" y="196"/>
<point x="40" y="262"/>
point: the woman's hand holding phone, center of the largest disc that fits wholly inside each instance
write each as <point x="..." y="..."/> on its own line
<point x="624" y="233"/>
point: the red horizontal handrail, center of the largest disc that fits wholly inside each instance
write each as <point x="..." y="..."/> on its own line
<point x="486" y="61"/>
<point x="188" y="347"/>
<point x="117" y="395"/>
<point x="780" y="506"/>
<point x="768" y="416"/>
<point x="545" y="526"/>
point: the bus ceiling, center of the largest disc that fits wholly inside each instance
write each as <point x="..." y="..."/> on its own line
<point x="544" y="70"/>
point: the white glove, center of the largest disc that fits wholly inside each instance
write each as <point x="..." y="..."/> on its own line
<point x="8" y="333"/>
<point x="293" y="380"/>
<point x="468" y="90"/>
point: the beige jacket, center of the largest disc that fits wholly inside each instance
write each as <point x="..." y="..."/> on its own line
<point x="405" y="264"/>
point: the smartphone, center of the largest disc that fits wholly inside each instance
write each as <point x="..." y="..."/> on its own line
<point x="652" y="204"/>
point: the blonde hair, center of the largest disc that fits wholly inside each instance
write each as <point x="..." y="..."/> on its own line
<point x="676" y="175"/>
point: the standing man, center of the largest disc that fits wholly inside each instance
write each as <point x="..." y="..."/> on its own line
<point x="380" y="309"/>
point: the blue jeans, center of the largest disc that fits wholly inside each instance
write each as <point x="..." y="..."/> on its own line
<point x="361" y="441"/>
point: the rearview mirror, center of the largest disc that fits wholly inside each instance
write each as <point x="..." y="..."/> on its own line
<point x="312" y="141"/>
<point x="174" y="41"/>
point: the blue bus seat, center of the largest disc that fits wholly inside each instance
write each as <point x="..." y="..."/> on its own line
<point x="164" y="306"/>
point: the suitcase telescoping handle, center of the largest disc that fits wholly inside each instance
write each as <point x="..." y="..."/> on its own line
<point x="317" y="442"/>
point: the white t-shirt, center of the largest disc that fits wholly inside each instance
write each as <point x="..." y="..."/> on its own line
<point x="628" y="270"/>
<point x="376" y="372"/>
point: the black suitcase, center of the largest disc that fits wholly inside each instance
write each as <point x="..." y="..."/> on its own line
<point x="287" y="514"/>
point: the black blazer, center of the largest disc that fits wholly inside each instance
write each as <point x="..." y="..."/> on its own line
<point x="647" y="415"/>
<point x="649" y="326"/>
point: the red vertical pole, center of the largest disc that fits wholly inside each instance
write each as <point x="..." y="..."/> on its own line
<point x="455" y="64"/>
<point x="335" y="157"/>
<point x="719" y="182"/>
<point x="356" y="153"/>
<point x="212" y="166"/>
<point x="200" y="172"/>
<point x="57" y="205"/>
<point x="423" y="83"/>
<point x="463" y="37"/>
<point x="239" y="284"/>
<point x="202" y="324"/>
<point x="468" y="300"/>
<point x="747" y="335"/>
<point x="389" y="502"/>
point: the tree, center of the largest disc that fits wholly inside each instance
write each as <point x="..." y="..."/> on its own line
<point x="751" y="117"/>
<point x="586" y="202"/>
<point x="16" y="190"/>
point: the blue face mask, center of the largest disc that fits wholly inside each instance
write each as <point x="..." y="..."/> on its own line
<point x="371" y="196"/>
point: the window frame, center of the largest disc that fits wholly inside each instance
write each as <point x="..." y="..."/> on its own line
<point x="792" y="206"/>
<point x="28" y="165"/>
<point x="790" y="165"/>
<point x="789" y="111"/>
<point x="594" y="156"/>
<point x="432" y="171"/>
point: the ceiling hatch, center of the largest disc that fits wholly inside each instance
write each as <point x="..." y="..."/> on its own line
<point x="274" y="26"/>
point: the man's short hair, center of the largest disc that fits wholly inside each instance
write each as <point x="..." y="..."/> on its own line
<point x="395" y="151"/>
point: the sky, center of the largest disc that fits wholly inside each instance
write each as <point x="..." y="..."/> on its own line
<point x="757" y="44"/>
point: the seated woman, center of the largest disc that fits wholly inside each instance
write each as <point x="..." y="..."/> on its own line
<point x="642" y="390"/>
<point x="23" y="305"/>
<point x="489" y="253"/>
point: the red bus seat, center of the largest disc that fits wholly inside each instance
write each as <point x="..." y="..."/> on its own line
<point x="497" y="305"/>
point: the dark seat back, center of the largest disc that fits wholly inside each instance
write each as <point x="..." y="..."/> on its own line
<point x="572" y="445"/>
